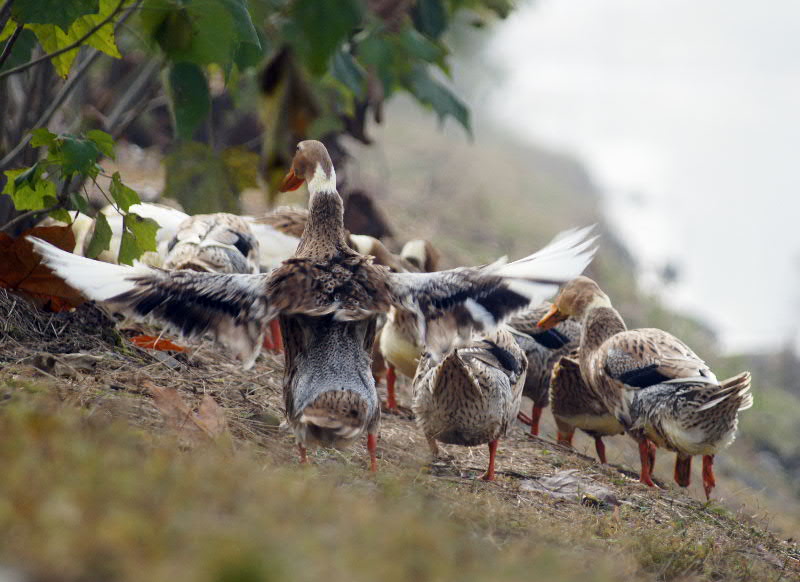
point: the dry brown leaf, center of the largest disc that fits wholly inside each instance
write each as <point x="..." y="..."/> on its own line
<point x="21" y="268"/>
<point x="211" y="418"/>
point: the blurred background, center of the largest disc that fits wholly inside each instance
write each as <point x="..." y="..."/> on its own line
<point x="485" y="126"/>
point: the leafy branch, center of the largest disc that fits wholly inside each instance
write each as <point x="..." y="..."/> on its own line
<point x="69" y="47"/>
<point x="10" y="44"/>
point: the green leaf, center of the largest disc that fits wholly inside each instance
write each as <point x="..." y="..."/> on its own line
<point x="199" y="180"/>
<point x="320" y="26"/>
<point x="53" y="38"/>
<point x="61" y="214"/>
<point x="61" y="13"/>
<point x="124" y="196"/>
<point x="103" y="141"/>
<point x="79" y="156"/>
<point x="245" y="31"/>
<point x="189" y="97"/>
<point x="101" y="239"/>
<point x="129" y="249"/>
<point x="430" y="17"/>
<point x="27" y="194"/>
<point x="192" y="31"/>
<point x="345" y="69"/>
<point x="376" y="51"/>
<point x="79" y="202"/>
<point x="43" y="137"/>
<point x="21" y="51"/>
<point x="28" y="176"/>
<point x="419" y="46"/>
<point x="431" y="92"/>
<point x="138" y="236"/>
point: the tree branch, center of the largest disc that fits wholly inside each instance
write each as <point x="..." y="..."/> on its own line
<point x="53" y="107"/>
<point x="4" y="13"/>
<point x="29" y="214"/>
<point x="61" y="96"/>
<point x="10" y="44"/>
<point x="67" y="48"/>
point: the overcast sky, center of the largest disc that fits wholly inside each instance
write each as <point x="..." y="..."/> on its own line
<point x="688" y="116"/>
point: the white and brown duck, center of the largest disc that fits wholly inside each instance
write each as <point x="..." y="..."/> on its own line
<point x="327" y="297"/>
<point x="653" y="383"/>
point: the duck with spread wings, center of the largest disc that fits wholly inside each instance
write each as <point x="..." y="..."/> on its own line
<point x="327" y="297"/>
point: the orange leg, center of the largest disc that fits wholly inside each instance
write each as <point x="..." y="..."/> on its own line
<point x="303" y="456"/>
<point x="489" y="474"/>
<point x="277" y="338"/>
<point x="683" y="470"/>
<point x="391" y="378"/>
<point x="269" y="343"/>
<point x="646" y="455"/>
<point x="709" y="482"/>
<point x="524" y="418"/>
<point x="565" y="438"/>
<point x="372" y="447"/>
<point x="600" y="447"/>
<point x="536" y="415"/>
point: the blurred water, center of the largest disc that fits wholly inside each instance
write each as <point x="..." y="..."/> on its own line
<point x="688" y="115"/>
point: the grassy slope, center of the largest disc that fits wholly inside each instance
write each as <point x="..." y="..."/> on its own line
<point x="495" y="196"/>
<point x="96" y="486"/>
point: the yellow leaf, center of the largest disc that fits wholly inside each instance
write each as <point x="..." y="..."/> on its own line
<point x="8" y="30"/>
<point x="52" y="38"/>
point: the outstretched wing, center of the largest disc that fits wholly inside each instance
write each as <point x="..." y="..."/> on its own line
<point x="459" y="302"/>
<point x="233" y="308"/>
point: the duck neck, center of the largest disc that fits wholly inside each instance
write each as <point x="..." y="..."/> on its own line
<point x="600" y="323"/>
<point x="324" y="232"/>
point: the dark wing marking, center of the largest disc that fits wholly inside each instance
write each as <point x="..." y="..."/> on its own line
<point x="504" y="357"/>
<point x="244" y="243"/>
<point x="233" y="308"/>
<point x="457" y="302"/>
<point x="552" y="339"/>
<point x="643" y="377"/>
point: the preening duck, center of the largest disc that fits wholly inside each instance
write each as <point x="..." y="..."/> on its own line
<point x="653" y="383"/>
<point x="327" y="297"/>
<point x="472" y="396"/>
<point x="543" y="348"/>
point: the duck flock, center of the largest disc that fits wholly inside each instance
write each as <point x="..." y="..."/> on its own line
<point x="473" y="339"/>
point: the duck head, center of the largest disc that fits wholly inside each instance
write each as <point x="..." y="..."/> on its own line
<point x="575" y="299"/>
<point x="311" y="164"/>
<point x="422" y="254"/>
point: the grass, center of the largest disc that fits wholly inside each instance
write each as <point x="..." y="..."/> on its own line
<point x="86" y="496"/>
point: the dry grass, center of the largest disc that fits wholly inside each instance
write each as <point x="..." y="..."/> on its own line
<point x="96" y="487"/>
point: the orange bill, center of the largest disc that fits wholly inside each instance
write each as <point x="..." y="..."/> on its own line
<point x="552" y="318"/>
<point x="290" y="182"/>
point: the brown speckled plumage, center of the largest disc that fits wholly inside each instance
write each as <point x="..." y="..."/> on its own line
<point x="575" y="405"/>
<point x="654" y="384"/>
<point x="472" y="395"/>
<point x="543" y="348"/>
<point x="328" y="297"/>
<point x="286" y="219"/>
<point x="213" y="243"/>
